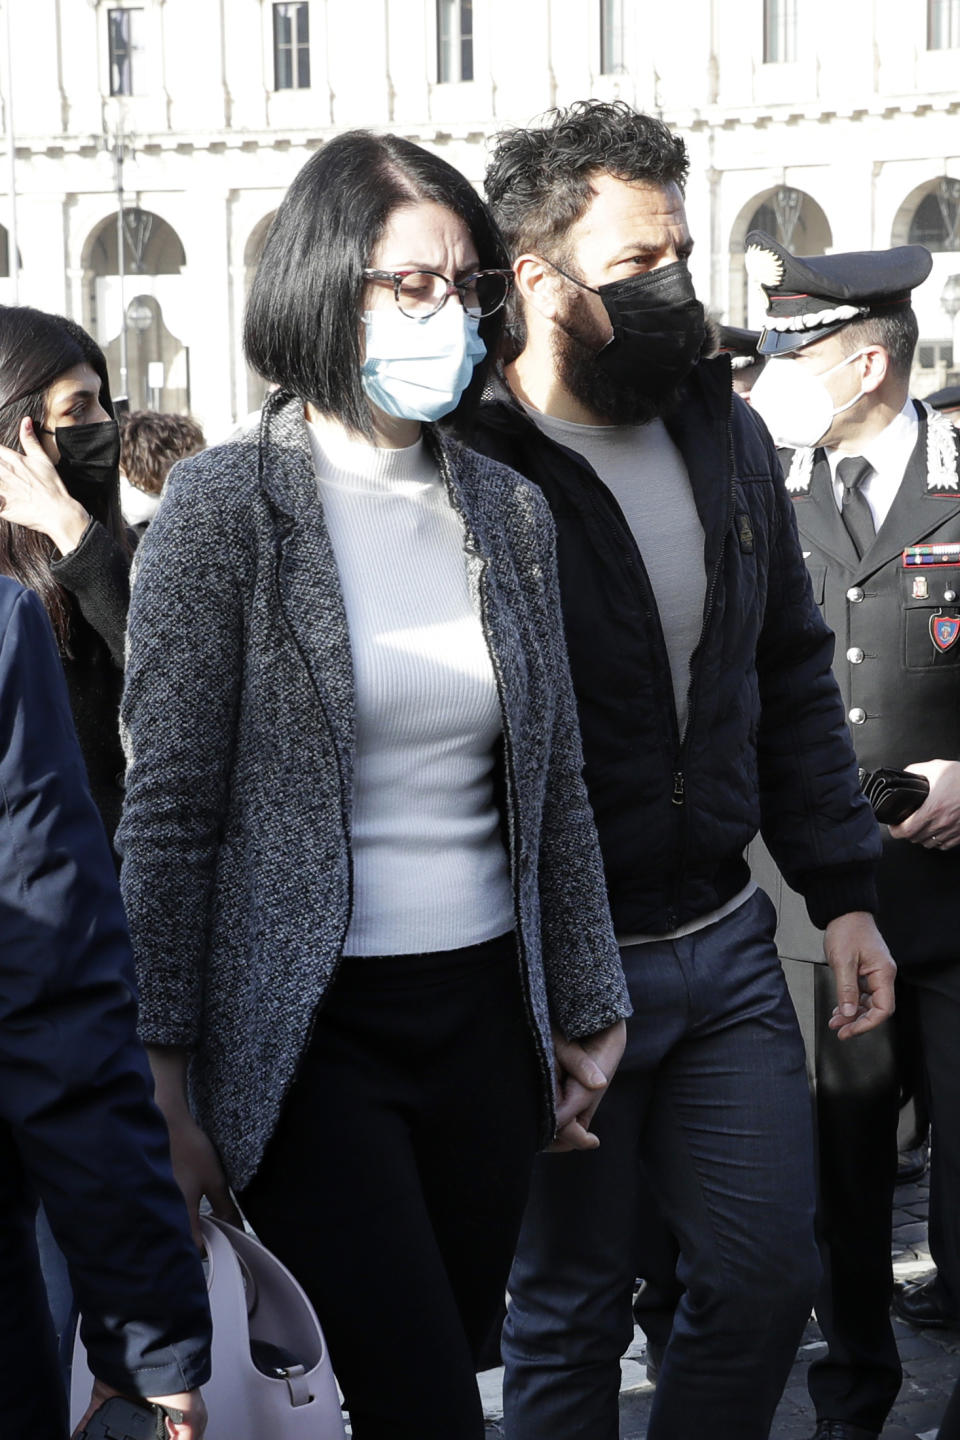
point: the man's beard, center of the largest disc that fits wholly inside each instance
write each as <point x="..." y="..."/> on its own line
<point x="576" y="345"/>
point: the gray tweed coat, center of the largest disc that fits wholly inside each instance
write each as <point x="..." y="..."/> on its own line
<point x="238" y="722"/>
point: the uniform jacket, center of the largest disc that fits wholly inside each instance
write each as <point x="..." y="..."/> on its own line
<point x="901" y="692"/>
<point x="765" y="741"/>
<point x="239" y="719"/>
<point x="77" y="1122"/>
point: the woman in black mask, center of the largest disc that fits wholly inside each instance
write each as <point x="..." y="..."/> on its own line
<point x="62" y="535"/>
<point x="61" y="531"/>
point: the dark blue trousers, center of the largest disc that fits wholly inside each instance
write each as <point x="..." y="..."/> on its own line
<point x="711" y="1108"/>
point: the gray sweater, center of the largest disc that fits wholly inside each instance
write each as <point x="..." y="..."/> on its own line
<point x="238" y="720"/>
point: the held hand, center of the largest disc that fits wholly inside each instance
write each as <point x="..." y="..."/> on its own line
<point x="584" y="1069"/>
<point x="198" y="1172"/>
<point x="863" y="971"/>
<point x="33" y="495"/>
<point x="936" y="825"/>
<point x="189" y="1404"/>
<point x="196" y="1164"/>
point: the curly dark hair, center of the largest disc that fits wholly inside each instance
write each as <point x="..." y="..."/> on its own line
<point x="538" y="180"/>
<point x="151" y="442"/>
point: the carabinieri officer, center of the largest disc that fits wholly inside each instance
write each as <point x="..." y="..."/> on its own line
<point x="875" y="478"/>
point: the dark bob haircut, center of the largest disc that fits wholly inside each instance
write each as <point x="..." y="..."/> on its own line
<point x="302" y="327"/>
<point x="538" y="180"/>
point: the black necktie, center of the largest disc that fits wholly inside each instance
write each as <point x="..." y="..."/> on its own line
<point x="854" y="509"/>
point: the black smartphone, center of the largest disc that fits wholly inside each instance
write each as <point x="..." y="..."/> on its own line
<point x="120" y="1419"/>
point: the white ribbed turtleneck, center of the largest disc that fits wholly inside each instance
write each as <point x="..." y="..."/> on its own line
<point x="430" y="869"/>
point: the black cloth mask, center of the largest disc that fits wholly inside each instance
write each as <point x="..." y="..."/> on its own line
<point x="89" y="458"/>
<point x="658" y="327"/>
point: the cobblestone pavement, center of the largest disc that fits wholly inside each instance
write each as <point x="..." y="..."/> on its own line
<point x="931" y="1359"/>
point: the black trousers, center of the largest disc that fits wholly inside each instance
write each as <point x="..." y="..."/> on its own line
<point x="938" y="1007"/>
<point x="857" y="1091"/>
<point x="857" y="1106"/>
<point x="394" y="1185"/>
<point x="33" y="1399"/>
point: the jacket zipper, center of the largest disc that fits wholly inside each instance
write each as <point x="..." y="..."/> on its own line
<point x="630" y="548"/>
<point x="679" y="778"/>
<point x="634" y="559"/>
<point x="632" y="552"/>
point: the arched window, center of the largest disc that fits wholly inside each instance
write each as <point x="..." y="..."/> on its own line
<point x="5" y="254"/>
<point x="795" y="219"/>
<point x="131" y="315"/>
<point x="936" y="220"/>
<point x="790" y="216"/>
<point x="150" y="246"/>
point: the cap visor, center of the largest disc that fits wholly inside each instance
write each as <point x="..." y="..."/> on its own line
<point x="784" y="342"/>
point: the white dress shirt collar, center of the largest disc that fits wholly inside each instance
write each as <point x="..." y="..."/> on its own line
<point x="888" y="455"/>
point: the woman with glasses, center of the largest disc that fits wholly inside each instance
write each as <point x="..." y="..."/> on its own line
<point x="375" y="958"/>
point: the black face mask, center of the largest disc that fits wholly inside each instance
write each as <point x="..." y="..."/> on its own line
<point x="658" y="328"/>
<point x="89" y="458"/>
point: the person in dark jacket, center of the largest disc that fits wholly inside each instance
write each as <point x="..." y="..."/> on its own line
<point x="61" y="530"/>
<point x="708" y="710"/>
<point x="874" y="478"/>
<point x="361" y="871"/>
<point x="62" y="535"/>
<point x="78" y="1127"/>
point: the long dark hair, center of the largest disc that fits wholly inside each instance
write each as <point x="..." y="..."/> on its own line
<point x="35" y="350"/>
<point x="302" y="327"/>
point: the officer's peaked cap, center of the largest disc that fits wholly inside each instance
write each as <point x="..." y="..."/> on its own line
<point x="946" y="399"/>
<point x="809" y="297"/>
<point x="740" y="345"/>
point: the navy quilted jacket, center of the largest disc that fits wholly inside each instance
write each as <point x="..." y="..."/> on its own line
<point x="766" y="744"/>
<point x="78" y="1127"/>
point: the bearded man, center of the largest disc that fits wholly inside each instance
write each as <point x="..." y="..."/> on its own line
<point x="708" y="710"/>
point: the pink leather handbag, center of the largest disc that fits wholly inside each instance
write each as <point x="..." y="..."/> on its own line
<point x="271" y="1374"/>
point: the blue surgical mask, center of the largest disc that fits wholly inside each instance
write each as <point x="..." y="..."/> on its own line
<point x="419" y="369"/>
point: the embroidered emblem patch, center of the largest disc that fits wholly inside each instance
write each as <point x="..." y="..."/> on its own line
<point x="944" y="630"/>
<point x="943" y="453"/>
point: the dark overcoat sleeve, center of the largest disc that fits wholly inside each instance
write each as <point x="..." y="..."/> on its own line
<point x="97" y="574"/>
<point x="75" y="1089"/>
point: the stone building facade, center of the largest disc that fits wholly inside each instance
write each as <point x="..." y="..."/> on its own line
<point x="835" y="125"/>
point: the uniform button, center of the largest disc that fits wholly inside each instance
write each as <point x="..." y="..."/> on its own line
<point x="857" y="716"/>
<point x="855" y="594"/>
<point x="949" y="596"/>
<point x="855" y="655"/>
